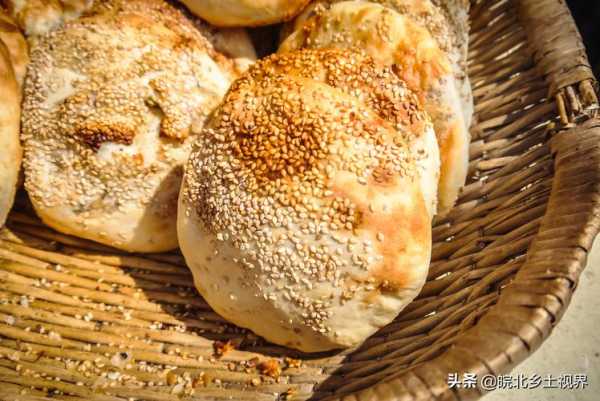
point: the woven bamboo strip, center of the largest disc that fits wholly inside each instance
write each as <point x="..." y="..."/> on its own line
<point x="70" y="307"/>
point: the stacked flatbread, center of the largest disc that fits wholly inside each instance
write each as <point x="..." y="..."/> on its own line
<point x="300" y="188"/>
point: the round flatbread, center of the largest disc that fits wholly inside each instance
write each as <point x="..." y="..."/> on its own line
<point x="301" y="214"/>
<point x="109" y="104"/>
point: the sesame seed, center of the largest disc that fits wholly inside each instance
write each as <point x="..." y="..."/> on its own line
<point x="111" y="124"/>
<point x="264" y="168"/>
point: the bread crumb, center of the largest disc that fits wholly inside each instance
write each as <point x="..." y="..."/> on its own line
<point x="221" y="348"/>
<point x="171" y="378"/>
<point x="288" y="394"/>
<point x="270" y="368"/>
<point x="200" y="380"/>
<point x="292" y="363"/>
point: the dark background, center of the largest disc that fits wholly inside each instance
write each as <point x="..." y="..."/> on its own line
<point x="587" y="15"/>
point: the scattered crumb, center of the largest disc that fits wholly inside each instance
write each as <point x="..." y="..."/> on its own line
<point x="251" y="363"/>
<point x="200" y="381"/>
<point x="270" y="368"/>
<point x="292" y="363"/>
<point x="288" y="394"/>
<point x="113" y="375"/>
<point x="177" y="389"/>
<point x="221" y="348"/>
<point x="171" y="378"/>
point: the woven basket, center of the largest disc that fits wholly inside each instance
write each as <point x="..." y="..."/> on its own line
<point x="79" y="321"/>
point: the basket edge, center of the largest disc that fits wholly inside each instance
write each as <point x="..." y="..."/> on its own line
<point x="528" y="322"/>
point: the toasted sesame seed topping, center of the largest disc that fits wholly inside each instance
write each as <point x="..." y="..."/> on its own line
<point x="266" y="173"/>
<point x="108" y="108"/>
<point x="421" y="11"/>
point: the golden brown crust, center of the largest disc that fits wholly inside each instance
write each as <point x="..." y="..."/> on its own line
<point x="454" y="151"/>
<point x="245" y="13"/>
<point x="287" y="205"/>
<point x="96" y="134"/>
<point x="350" y="71"/>
<point x="356" y="74"/>
<point x="16" y="44"/>
<point x="385" y="35"/>
<point x="394" y="40"/>
<point x="10" y="154"/>
<point x="394" y="239"/>
<point x="423" y="12"/>
<point x="446" y="20"/>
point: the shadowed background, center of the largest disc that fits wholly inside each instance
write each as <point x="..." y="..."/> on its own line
<point x="573" y="346"/>
<point x="587" y="15"/>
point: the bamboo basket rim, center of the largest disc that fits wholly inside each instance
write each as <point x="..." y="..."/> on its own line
<point x="504" y="326"/>
<point x="553" y="39"/>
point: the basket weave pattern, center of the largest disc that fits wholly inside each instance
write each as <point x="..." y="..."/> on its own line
<point x="80" y="321"/>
